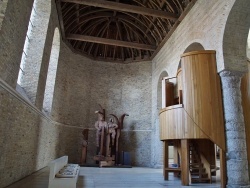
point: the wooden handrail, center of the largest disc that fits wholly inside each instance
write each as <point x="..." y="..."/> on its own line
<point x="171" y="107"/>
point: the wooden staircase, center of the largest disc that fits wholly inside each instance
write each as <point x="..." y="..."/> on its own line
<point x="200" y="170"/>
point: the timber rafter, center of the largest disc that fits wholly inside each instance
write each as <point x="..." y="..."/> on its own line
<point x="111" y="42"/>
<point x="119" y="30"/>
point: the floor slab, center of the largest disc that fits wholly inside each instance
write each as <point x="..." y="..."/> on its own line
<point x="94" y="177"/>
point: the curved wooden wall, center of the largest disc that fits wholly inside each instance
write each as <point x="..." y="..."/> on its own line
<point x="201" y="115"/>
<point x="202" y="94"/>
<point x="176" y="124"/>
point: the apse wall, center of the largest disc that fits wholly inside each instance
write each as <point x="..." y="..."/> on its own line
<point x="82" y="84"/>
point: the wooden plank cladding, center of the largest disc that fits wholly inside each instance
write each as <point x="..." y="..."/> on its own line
<point x="245" y="92"/>
<point x="202" y="94"/>
<point x="201" y="115"/>
<point x="175" y="123"/>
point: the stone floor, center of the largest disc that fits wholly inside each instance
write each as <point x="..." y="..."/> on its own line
<point x="94" y="177"/>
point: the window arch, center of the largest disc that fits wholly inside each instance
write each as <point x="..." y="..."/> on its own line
<point x="160" y="93"/>
<point x="33" y="49"/>
<point x="51" y="75"/>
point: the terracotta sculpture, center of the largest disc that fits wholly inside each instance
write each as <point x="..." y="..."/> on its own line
<point x="112" y="129"/>
<point x="84" y="144"/>
<point x="118" y="133"/>
<point x="100" y="126"/>
<point x="107" y="152"/>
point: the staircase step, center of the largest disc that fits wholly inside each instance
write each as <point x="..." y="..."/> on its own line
<point x="203" y="175"/>
<point x="194" y="160"/>
<point x="195" y="165"/>
<point x="200" y="180"/>
<point x="194" y="169"/>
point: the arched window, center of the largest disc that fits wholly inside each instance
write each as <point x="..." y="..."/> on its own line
<point x="51" y="76"/>
<point x="25" y="49"/>
<point x="160" y="91"/>
<point x="33" y="49"/>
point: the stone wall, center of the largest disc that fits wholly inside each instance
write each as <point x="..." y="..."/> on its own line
<point x="28" y="139"/>
<point x="82" y="84"/>
<point x="44" y="64"/>
<point x="24" y="137"/>
<point x="3" y="6"/>
<point x="235" y="37"/>
<point x="204" y="24"/>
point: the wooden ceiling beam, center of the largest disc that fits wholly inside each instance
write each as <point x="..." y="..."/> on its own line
<point x="113" y="42"/>
<point x="126" y="8"/>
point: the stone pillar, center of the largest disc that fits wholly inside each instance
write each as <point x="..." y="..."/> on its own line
<point x="236" y="154"/>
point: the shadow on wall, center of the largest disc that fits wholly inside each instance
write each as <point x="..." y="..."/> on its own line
<point x="132" y="141"/>
<point x="129" y="143"/>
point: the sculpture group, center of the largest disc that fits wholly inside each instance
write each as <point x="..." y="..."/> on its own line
<point x="107" y="138"/>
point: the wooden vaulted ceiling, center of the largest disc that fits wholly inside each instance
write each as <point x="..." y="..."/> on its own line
<point x="119" y="30"/>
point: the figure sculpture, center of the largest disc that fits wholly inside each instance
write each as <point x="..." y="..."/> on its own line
<point x="118" y="133"/>
<point x="112" y="129"/>
<point x="107" y="151"/>
<point x="84" y="143"/>
<point x="100" y="126"/>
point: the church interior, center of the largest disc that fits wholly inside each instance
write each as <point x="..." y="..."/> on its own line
<point x="156" y="84"/>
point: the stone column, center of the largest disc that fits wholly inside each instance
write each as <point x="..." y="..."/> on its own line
<point x="236" y="154"/>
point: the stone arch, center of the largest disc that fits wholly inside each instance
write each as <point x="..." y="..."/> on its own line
<point x="51" y="75"/>
<point x="235" y="37"/>
<point x="157" y="155"/>
<point x="159" y="89"/>
<point x="235" y="63"/>
<point x="32" y="56"/>
<point x="194" y="47"/>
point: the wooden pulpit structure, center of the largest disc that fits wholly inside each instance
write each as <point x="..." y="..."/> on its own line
<point x="192" y="118"/>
